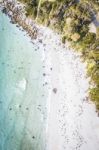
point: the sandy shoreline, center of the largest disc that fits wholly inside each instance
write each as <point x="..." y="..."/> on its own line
<point x="72" y="123"/>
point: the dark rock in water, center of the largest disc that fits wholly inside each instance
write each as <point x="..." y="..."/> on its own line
<point x="4" y="10"/>
<point x="12" y="21"/>
<point x="55" y="90"/>
<point x="27" y="108"/>
<point x="3" y="29"/>
<point x="10" y="108"/>
<point x="3" y="63"/>
<point x="17" y="26"/>
<point x="19" y="106"/>
<point x="33" y="137"/>
<point x="14" y="71"/>
<point x="44" y="74"/>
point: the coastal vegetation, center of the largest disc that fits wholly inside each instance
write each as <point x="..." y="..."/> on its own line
<point x="78" y="22"/>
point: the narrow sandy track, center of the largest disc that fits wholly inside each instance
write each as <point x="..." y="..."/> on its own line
<point x="72" y="123"/>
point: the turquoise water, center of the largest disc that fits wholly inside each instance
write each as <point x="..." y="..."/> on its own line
<point x="22" y="101"/>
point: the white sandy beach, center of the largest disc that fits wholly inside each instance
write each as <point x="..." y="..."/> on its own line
<point x="72" y="123"/>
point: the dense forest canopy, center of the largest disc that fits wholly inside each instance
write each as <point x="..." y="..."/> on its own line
<point x="78" y="22"/>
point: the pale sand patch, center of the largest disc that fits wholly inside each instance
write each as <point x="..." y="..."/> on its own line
<point x="72" y="123"/>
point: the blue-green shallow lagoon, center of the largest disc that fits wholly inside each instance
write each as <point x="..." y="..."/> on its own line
<point x="22" y="106"/>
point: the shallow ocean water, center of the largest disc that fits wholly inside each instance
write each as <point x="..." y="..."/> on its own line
<point x="22" y="96"/>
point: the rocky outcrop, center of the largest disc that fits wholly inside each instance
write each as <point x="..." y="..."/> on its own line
<point x="16" y="12"/>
